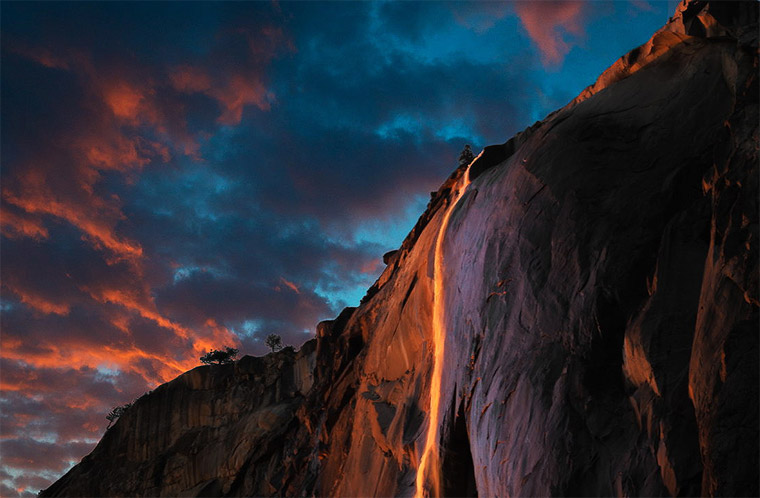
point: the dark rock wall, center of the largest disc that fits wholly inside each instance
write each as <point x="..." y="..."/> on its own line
<point x="606" y="249"/>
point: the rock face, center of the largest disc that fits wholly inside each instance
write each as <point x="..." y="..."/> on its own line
<point x="599" y="291"/>
<point x="215" y="430"/>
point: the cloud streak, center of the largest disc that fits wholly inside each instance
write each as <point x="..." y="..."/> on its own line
<point x="554" y="26"/>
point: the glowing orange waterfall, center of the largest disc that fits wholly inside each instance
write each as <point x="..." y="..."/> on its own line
<point x="430" y="467"/>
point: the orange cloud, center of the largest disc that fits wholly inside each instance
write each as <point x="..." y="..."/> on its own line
<point x="235" y="86"/>
<point x="41" y="304"/>
<point x="239" y="93"/>
<point x="41" y="55"/>
<point x="232" y="92"/>
<point x="290" y="285"/>
<point x="98" y="230"/>
<point x="61" y="181"/>
<point x="129" y="299"/>
<point x="548" y="22"/>
<point x="68" y="354"/>
<point x="14" y="226"/>
<point x="211" y="336"/>
<point x="123" y="100"/>
<point x="76" y="354"/>
<point x="121" y="153"/>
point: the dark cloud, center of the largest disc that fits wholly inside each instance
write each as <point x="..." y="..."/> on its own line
<point x="30" y="454"/>
<point x="352" y="148"/>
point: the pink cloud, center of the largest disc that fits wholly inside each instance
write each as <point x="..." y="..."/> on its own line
<point x="234" y="86"/>
<point x="290" y="285"/>
<point x="21" y="225"/>
<point x="233" y="92"/>
<point x="549" y="24"/>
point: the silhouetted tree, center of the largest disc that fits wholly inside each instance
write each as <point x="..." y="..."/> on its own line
<point x="219" y="356"/>
<point x="274" y="342"/>
<point x="466" y="157"/>
<point x="116" y="413"/>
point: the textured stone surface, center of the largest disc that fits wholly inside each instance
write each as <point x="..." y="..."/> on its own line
<point x="601" y="302"/>
<point x="215" y="430"/>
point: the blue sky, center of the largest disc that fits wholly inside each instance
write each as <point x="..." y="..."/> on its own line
<point x="181" y="176"/>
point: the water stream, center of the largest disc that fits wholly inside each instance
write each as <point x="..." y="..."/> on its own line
<point x="429" y="470"/>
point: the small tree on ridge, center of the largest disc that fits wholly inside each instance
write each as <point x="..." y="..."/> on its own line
<point x="274" y="342"/>
<point x="116" y="413"/>
<point x="219" y="357"/>
<point x="466" y="157"/>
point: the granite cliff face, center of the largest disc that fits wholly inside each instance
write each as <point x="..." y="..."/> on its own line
<point x="214" y="429"/>
<point x="575" y="314"/>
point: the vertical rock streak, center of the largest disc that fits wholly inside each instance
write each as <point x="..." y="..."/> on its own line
<point x="430" y="459"/>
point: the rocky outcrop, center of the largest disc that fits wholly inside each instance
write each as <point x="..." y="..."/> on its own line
<point x="600" y="307"/>
<point x="213" y="431"/>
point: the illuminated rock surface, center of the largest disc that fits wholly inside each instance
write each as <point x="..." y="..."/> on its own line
<point x="215" y="429"/>
<point x="600" y="279"/>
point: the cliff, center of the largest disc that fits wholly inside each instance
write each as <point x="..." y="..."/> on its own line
<point x="576" y="313"/>
<point x="212" y="427"/>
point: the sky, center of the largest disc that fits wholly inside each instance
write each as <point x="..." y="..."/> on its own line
<point x="178" y="177"/>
